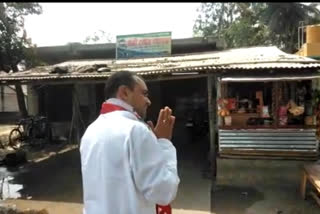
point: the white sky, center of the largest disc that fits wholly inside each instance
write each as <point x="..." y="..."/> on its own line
<point x="61" y="23"/>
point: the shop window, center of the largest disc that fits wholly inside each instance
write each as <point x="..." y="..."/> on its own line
<point x="276" y="104"/>
<point x="295" y="103"/>
<point x="247" y="104"/>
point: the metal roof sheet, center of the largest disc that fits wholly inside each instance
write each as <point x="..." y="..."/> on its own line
<point x="233" y="59"/>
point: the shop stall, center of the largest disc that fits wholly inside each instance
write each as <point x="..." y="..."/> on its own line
<point x="268" y="117"/>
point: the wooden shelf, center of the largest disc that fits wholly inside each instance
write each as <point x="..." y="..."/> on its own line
<point x="268" y="127"/>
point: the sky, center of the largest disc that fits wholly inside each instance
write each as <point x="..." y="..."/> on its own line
<point x="62" y="23"/>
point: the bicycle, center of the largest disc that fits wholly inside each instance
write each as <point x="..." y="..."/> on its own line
<point x="32" y="130"/>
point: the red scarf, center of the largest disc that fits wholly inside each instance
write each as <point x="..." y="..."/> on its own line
<point x="108" y="107"/>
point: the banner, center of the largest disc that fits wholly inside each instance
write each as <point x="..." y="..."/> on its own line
<point x="143" y="45"/>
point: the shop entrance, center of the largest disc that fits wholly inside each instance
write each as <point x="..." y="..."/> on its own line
<point x="188" y="99"/>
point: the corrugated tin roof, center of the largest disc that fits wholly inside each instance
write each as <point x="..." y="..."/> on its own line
<point x="233" y="59"/>
<point x="266" y="78"/>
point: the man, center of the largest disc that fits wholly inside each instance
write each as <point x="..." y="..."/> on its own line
<point x="127" y="166"/>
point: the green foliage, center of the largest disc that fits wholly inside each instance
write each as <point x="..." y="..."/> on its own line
<point x="247" y="30"/>
<point x="253" y="24"/>
<point x="13" y="37"/>
<point x="237" y="24"/>
<point x="214" y="18"/>
<point x="283" y="20"/>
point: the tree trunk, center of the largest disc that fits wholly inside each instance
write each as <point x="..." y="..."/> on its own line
<point x="21" y="101"/>
<point x="292" y="43"/>
<point x="20" y="96"/>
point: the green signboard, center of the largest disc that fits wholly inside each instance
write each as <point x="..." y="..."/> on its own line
<point x="143" y="45"/>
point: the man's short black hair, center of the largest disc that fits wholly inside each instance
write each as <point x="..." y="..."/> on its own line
<point x="118" y="79"/>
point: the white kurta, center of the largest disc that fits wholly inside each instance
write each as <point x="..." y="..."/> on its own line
<point x="125" y="168"/>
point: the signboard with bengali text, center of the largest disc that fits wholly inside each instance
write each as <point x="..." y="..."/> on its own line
<point x="143" y="45"/>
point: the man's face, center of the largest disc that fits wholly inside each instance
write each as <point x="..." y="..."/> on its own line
<point x="139" y="98"/>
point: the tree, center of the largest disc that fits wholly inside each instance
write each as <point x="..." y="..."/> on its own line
<point x="252" y="24"/>
<point x="283" y="20"/>
<point x="247" y="29"/>
<point x="237" y="24"/>
<point x="14" y="43"/>
<point x="214" y="17"/>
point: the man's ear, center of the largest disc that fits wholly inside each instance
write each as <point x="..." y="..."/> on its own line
<point x="123" y="92"/>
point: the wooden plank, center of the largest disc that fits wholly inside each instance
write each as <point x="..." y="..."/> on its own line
<point x="264" y="152"/>
<point x="253" y="127"/>
<point x="278" y="157"/>
<point x="313" y="174"/>
<point x="315" y="197"/>
<point x="259" y="157"/>
<point x="271" y="142"/>
<point x="280" y="134"/>
<point x="296" y="138"/>
<point x="303" y="185"/>
<point x="265" y="147"/>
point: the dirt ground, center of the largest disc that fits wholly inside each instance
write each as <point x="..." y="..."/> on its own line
<point x="260" y="187"/>
<point x="54" y="183"/>
<point x="52" y="180"/>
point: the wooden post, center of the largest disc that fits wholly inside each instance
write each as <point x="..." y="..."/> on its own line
<point x="276" y="103"/>
<point x="74" y="127"/>
<point x="77" y="114"/>
<point x="47" y="92"/>
<point x="92" y="102"/>
<point x="2" y="97"/>
<point x="219" y="94"/>
<point x="211" y="82"/>
<point x="77" y="122"/>
<point x="73" y="116"/>
<point x="303" y="185"/>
